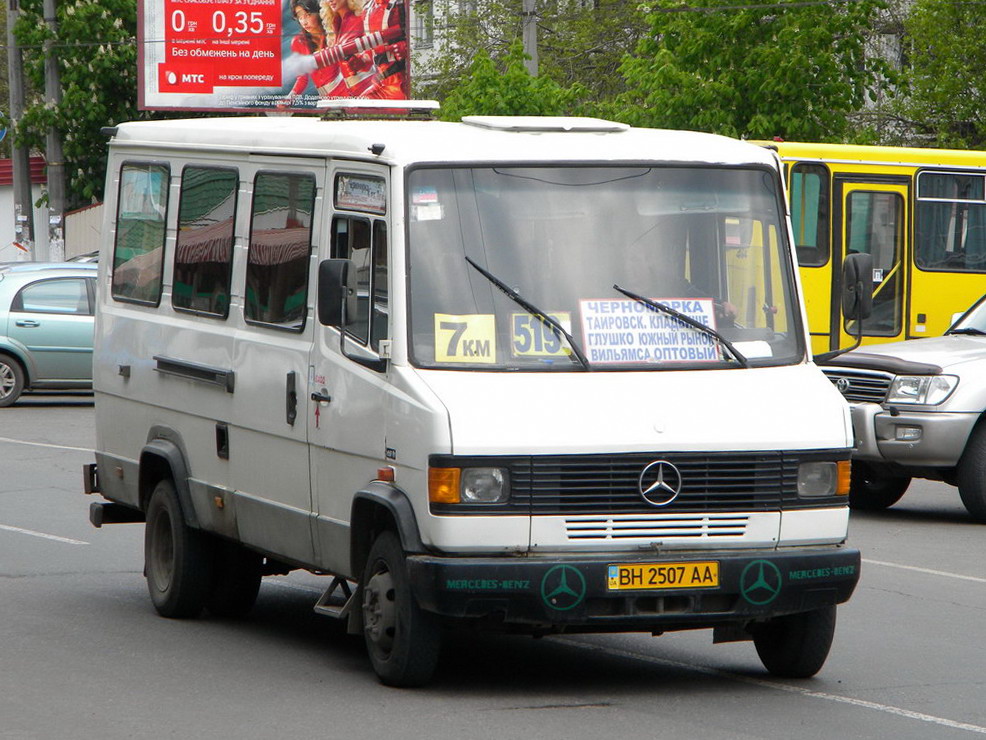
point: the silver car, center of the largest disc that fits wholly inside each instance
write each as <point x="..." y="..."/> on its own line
<point x="46" y="327"/>
<point x="918" y="412"/>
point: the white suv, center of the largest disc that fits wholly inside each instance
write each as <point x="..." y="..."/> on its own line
<point x="918" y="412"/>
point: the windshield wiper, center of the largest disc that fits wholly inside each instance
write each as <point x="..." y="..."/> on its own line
<point x="967" y="330"/>
<point x="661" y="308"/>
<point x="517" y="298"/>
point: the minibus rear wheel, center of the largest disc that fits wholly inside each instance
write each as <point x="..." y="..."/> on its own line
<point x="178" y="560"/>
<point x="795" y="645"/>
<point x="402" y="641"/>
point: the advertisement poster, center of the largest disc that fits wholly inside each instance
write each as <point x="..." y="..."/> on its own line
<point x="272" y="55"/>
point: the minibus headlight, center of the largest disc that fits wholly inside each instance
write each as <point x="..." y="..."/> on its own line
<point x="468" y="485"/>
<point x="921" y="389"/>
<point x="484" y="485"/>
<point x="821" y="478"/>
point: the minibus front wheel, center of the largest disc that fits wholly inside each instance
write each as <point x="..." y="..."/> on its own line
<point x="402" y="641"/>
<point x="795" y="645"/>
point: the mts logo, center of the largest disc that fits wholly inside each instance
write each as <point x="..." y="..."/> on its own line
<point x="184" y="78"/>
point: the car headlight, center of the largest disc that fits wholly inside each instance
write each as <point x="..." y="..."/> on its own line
<point x="821" y="478"/>
<point x="929" y="390"/>
<point x="468" y="485"/>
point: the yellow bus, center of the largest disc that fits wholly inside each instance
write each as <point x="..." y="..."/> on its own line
<point x="921" y="213"/>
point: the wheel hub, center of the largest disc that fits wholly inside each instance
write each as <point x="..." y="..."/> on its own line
<point x="379" y="612"/>
<point x="162" y="553"/>
<point x="6" y="381"/>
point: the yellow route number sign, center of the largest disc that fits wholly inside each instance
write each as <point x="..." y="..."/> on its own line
<point x="532" y="337"/>
<point x="465" y="338"/>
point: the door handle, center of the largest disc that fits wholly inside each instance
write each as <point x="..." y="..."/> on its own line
<point x="27" y="322"/>
<point x="321" y="397"/>
<point x="291" y="399"/>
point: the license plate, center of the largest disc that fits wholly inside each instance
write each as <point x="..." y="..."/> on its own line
<point x="648" y="576"/>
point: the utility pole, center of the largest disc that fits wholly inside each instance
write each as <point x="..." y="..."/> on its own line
<point x="53" y="153"/>
<point x="19" y="153"/>
<point x="530" y="36"/>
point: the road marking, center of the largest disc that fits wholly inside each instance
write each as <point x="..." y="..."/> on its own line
<point x="808" y="693"/>
<point x="43" y="444"/>
<point x="929" y="571"/>
<point x="32" y="533"/>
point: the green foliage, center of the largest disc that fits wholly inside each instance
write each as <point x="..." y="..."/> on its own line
<point x="797" y="72"/>
<point x="578" y="42"/>
<point x="947" y="98"/>
<point x="488" y="91"/>
<point x="97" y="53"/>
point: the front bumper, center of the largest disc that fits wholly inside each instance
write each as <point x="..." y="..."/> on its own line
<point x="939" y="442"/>
<point x="572" y="593"/>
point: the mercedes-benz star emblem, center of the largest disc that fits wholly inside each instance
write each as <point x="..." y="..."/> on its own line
<point x="760" y="582"/>
<point x="660" y="483"/>
<point x="563" y="587"/>
<point x="842" y="384"/>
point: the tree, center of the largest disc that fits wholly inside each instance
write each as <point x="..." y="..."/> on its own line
<point x="4" y="84"/>
<point x="487" y="91"/>
<point x="737" y="69"/>
<point x="579" y="41"/>
<point x="97" y="51"/>
<point x="946" y="59"/>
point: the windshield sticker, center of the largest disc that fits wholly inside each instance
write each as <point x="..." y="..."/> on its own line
<point x="361" y="193"/>
<point x="627" y="331"/>
<point x="465" y="338"/>
<point x="425" y="205"/>
<point x="754" y="349"/>
<point x="532" y="337"/>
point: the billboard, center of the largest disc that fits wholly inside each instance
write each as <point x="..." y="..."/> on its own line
<point x="270" y="55"/>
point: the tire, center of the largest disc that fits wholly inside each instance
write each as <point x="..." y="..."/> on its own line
<point x="403" y="641"/>
<point x="871" y="489"/>
<point x="178" y="560"/>
<point x="795" y="646"/>
<point x="235" y="580"/>
<point x="971" y="478"/>
<point x="11" y="380"/>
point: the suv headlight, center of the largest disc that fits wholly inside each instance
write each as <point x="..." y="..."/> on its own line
<point x="929" y="390"/>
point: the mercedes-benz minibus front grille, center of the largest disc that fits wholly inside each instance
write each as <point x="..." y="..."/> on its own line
<point x="561" y="485"/>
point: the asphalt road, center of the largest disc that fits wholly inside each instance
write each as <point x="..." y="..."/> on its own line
<point x="83" y="654"/>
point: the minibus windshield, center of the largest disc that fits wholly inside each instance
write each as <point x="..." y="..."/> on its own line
<point x="575" y="244"/>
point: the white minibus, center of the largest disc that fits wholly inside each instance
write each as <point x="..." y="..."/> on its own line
<point x="538" y="375"/>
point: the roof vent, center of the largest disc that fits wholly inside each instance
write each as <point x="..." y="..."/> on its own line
<point x="545" y="124"/>
<point x="369" y="107"/>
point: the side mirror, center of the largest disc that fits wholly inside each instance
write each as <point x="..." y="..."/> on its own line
<point x="336" y="298"/>
<point x="857" y="286"/>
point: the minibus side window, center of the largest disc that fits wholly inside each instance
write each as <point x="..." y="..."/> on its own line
<point x="280" y="245"/>
<point x="810" y="213"/>
<point x="204" y="248"/>
<point x="138" y="251"/>
<point x="950" y="222"/>
<point x="351" y="240"/>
